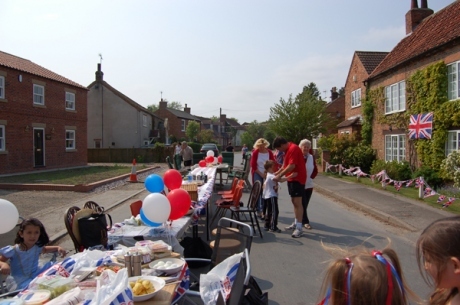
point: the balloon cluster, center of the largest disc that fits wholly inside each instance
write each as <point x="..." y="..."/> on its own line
<point x="157" y="207"/>
<point x="210" y="159"/>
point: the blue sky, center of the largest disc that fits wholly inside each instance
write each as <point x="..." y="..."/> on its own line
<point x="234" y="55"/>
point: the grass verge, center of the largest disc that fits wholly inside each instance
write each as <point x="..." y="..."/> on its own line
<point x="85" y="175"/>
<point x="409" y="192"/>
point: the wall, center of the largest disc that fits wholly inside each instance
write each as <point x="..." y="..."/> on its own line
<point x="356" y="76"/>
<point x="18" y="111"/>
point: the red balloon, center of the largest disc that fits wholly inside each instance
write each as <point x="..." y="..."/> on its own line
<point x="180" y="203"/>
<point x="202" y="163"/>
<point x="209" y="159"/>
<point x="172" y="179"/>
<point x="219" y="159"/>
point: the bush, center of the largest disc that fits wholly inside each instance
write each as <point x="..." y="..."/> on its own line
<point x="398" y="171"/>
<point x="361" y="155"/>
<point x="430" y="176"/>
<point x="338" y="146"/>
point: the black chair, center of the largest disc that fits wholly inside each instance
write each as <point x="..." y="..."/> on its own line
<point x="251" y="208"/>
<point x="168" y="161"/>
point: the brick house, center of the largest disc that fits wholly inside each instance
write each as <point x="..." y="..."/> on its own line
<point x="431" y="38"/>
<point x="225" y="130"/>
<point x="42" y="118"/>
<point x="115" y="120"/>
<point x="177" y="120"/>
<point x="362" y="65"/>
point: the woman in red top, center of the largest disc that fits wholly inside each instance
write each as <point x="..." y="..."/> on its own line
<point x="260" y="154"/>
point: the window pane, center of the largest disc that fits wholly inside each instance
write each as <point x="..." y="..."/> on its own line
<point x="394" y="98"/>
<point x="402" y="96"/>
<point x="452" y="82"/>
<point x="387" y="99"/>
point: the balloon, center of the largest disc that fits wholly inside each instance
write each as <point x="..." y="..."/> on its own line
<point x="209" y="159"/>
<point x="202" y="163"/>
<point x="146" y="221"/>
<point x="10" y="216"/>
<point x="219" y="159"/>
<point x="210" y="153"/>
<point x="156" y="207"/>
<point x="154" y="183"/>
<point x="214" y="161"/>
<point x="180" y="203"/>
<point x="172" y="179"/>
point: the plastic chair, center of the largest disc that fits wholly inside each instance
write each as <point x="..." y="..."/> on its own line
<point x="136" y="207"/>
<point x="242" y="174"/>
<point x="223" y="205"/>
<point x="232" y="188"/>
<point x="229" y="196"/>
<point x="251" y="208"/>
<point x="68" y="221"/>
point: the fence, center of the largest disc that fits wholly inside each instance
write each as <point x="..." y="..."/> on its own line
<point x="126" y="155"/>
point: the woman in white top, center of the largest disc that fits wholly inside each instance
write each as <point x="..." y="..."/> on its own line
<point x="305" y="146"/>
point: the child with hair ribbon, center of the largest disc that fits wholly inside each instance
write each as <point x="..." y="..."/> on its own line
<point x="438" y="258"/>
<point x="365" y="278"/>
<point x="31" y="240"/>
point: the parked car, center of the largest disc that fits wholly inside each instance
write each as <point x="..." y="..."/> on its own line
<point x="210" y="146"/>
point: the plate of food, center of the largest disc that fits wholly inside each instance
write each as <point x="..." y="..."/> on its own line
<point x="167" y="265"/>
<point x="145" y="287"/>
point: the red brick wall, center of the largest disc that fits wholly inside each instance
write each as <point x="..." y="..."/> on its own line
<point x="356" y="76"/>
<point x="379" y="130"/>
<point x="18" y="111"/>
<point x="174" y="123"/>
<point x="336" y="110"/>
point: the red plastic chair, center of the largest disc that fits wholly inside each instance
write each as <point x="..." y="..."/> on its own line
<point x="136" y="207"/>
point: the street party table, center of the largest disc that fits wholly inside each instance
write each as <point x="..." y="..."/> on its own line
<point x="127" y="235"/>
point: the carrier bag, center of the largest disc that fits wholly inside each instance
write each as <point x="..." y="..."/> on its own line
<point x="93" y="229"/>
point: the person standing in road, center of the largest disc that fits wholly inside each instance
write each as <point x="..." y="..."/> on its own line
<point x="177" y="150"/>
<point x="305" y="146"/>
<point x="270" y="197"/>
<point x="244" y="151"/>
<point x="260" y="154"/>
<point x="296" y="174"/>
<point x="229" y="147"/>
<point x="187" y="154"/>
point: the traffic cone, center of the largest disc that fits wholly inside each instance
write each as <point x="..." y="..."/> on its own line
<point x="133" y="176"/>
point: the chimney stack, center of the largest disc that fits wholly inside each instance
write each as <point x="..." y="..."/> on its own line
<point x="163" y="104"/>
<point x="334" y="93"/>
<point x="99" y="73"/>
<point x="416" y="15"/>
<point x="186" y="109"/>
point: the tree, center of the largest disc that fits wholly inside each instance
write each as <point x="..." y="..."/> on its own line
<point x="192" y="130"/>
<point x="206" y="136"/>
<point x="450" y="167"/>
<point x="300" y="118"/>
<point x="247" y="139"/>
<point x="171" y="105"/>
<point x="254" y="131"/>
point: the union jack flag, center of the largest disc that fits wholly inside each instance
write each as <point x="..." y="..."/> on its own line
<point x="449" y="202"/>
<point x="421" y="126"/>
<point x="441" y="198"/>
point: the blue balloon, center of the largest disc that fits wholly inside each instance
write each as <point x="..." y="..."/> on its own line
<point x="154" y="183"/>
<point x="148" y="222"/>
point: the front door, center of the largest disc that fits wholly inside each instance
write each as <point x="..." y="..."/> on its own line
<point x="39" y="147"/>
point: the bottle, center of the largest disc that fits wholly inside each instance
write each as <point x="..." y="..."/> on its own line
<point x="189" y="176"/>
<point x="201" y="176"/>
<point x="128" y="264"/>
<point x="137" y="265"/>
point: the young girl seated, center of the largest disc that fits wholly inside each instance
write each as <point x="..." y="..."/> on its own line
<point x="438" y="257"/>
<point x="365" y="278"/>
<point x="30" y="242"/>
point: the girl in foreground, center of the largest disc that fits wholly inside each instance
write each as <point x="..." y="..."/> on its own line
<point x="438" y="258"/>
<point x="365" y="278"/>
<point x="30" y="242"/>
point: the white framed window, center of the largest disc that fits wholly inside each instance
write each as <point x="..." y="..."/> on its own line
<point x="70" y="139"/>
<point x="453" y="136"/>
<point x="2" y="137"/>
<point x="356" y="98"/>
<point x="70" y="101"/>
<point x="39" y="95"/>
<point x="144" y="120"/>
<point x="453" y="81"/>
<point x="314" y="143"/>
<point x="182" y="127"/>
<point x="2" y="87"/>
<point x="395" y="147"/>
<point x="395" y="97"/>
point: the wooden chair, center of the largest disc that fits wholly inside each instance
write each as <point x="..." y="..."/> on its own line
<point x="251" y="208"/>
<point x="168" y="161"/>
<point x="93" y="206"/>
<point x="68" y="221"/>
<point x="136" y="207"/>
<point x="242" y="174"/>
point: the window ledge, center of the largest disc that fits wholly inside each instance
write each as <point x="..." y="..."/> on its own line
<point x="71" y="150"/>
<point x="39" y="106"/>
<point x="3" y="100"/>
<point x="356" y="106"/>
<point x="3" y="152"/>
<point x="71" y="110"/>
<point x="397" y="111"/>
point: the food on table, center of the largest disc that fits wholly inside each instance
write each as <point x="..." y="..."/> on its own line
<point x="101" y="269"/>
<point x="165" y="265"/>
<point x="56" y="285"/>
<point x="141" y="287"/>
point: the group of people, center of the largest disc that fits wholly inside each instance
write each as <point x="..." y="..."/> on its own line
<point x="185" y="152"/>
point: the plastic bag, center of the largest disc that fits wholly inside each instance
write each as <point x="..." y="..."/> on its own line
<point x="90" y="258"/>
<point x="112" y="289"/>
<point x="219" y="280"/>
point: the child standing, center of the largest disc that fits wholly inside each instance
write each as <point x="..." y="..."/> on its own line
<point x="270" y="197"/>
<point x="438" y="258"/>
<point x="30" y="242"/>
<point x="365" y="278"/>
<point x="244" y="150"/>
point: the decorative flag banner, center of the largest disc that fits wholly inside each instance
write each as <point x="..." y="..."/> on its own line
<point x="417" y="183"/>
<point x="449" y="202"/>
<point x="397" y="185"/>
<point x="373" y="178"/>
<point x="441" y="198"/>
<point x="409" y="183"/>
<point x="421" y="126"/>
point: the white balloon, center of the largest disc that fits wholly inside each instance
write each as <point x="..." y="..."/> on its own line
<point x="10" y="216"/>
<point x="210" y="153"/>
<point x="156" y="207"/>
<point x="215" y="160"/>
